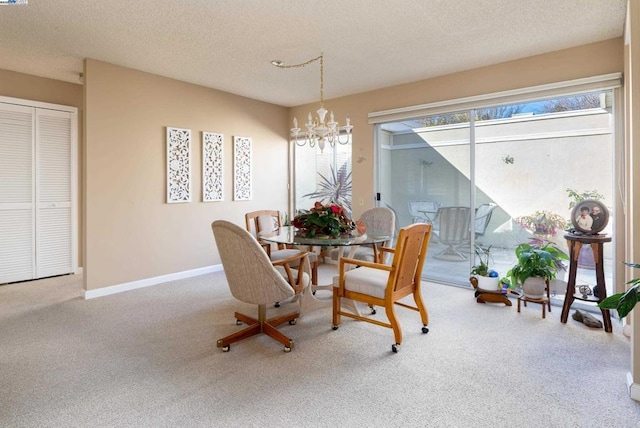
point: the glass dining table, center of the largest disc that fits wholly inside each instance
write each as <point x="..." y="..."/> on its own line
<point x="289" y="235"/>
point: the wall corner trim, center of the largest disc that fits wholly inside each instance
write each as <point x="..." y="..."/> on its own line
<point x="128" y="286"/>
<point x="634" y="388"/>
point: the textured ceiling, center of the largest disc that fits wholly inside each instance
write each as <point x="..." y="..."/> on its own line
<point x="229" y="44"/>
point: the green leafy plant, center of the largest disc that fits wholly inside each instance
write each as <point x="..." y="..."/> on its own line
<point x="334" y="189"/>
<point x="539" y="258"/>
<point x="330" y="220"/>
<point x="484" y="257"/>
<point x="624" y="302"/>
<point x="577" y="197"/>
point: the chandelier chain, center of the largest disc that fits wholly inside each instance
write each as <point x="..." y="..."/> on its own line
<point x="304" y="64"/>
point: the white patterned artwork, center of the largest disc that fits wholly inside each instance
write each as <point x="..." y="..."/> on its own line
<point x="212" y="166"/>
<point x="241" y="168"/>
<point x="178" y="165"/>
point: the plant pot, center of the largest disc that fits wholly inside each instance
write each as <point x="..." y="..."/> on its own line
<point x="488" y="283"/>
<point x="534" y="287"/>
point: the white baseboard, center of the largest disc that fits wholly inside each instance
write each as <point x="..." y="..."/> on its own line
<point x="634" y="388"/>
<point x="127" y="286"/>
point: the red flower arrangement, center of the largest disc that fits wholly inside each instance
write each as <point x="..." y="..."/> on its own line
<point x="330" y="220"/>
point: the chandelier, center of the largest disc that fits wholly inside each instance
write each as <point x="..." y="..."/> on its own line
<point x="318" y="131"/>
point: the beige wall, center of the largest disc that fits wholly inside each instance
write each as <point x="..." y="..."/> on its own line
<point x="27" y="87"/>
<point x="131" y="232"/>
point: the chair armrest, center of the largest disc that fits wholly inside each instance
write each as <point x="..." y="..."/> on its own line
<point x="387" y="250"/>
<point x="364" y="263"/>
<point x="303" y="265"/>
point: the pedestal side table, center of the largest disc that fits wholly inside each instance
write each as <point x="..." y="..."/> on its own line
<point x="575" y="243"/>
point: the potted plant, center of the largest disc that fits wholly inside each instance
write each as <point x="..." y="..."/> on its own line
<point x="485" y="278"/>
<point x="624" y="302"/>
<point x="537" y="263"/>
<point x="543" y="223"/>
<point x="331" y="221"/>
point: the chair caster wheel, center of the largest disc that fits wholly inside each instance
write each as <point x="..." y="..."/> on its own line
<point x="395" y="347"/>
<point x="313" y="292"/>
<point x="373" y="311"/>
<point x="288" y="348"/>
<point x="238" y="322"/>
<point x="226" y="348"/>
<point x="277" y="304"/>
<point x="335" y="327"/>
<point x="425" y="329"/>
<point x="293" y="321"/>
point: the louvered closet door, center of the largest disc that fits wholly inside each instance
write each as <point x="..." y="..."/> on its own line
<point x="53" y="193"/>
<point x="17" y="238"/>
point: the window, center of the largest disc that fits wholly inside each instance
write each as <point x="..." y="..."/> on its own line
<point x="322" y="176"/>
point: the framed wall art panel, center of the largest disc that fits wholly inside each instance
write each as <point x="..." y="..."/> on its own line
<point x="178" y="165"/>
<point x="241" y="169"/>
<point x="212" y="171"/>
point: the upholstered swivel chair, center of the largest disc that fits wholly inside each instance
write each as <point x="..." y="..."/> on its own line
<point x="453" y="230"/>
<point x="253" y="278"/>
<point x="385" y="285"/>
<point x="265" y="221"/>
<point x="380" y="220"/>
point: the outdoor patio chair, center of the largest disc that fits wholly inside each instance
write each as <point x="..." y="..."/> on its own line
<point x="423" y="211"/>
<point x="453" y="231"/>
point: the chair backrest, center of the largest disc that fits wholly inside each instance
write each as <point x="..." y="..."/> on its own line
<point x="418" y="208"/>
<point x="409" y="256"/>
<point x="453" y="224"/>
<point x="262" y="221"/>
<point x="483" y="217"/>
<point x="381" y="220"/>
<point x="250" y="274"/>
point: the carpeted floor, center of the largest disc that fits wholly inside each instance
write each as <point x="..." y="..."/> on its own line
<point x="147" y="358"/>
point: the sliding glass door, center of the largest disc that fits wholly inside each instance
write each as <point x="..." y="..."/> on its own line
<point x="426" y="169"/>
<point x="505" y="174"/>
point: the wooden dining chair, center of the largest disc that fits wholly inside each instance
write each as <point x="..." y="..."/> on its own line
<point x="253" y="278"/>
<point x="266" y="221"/>
<point x="384" y="285"/>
